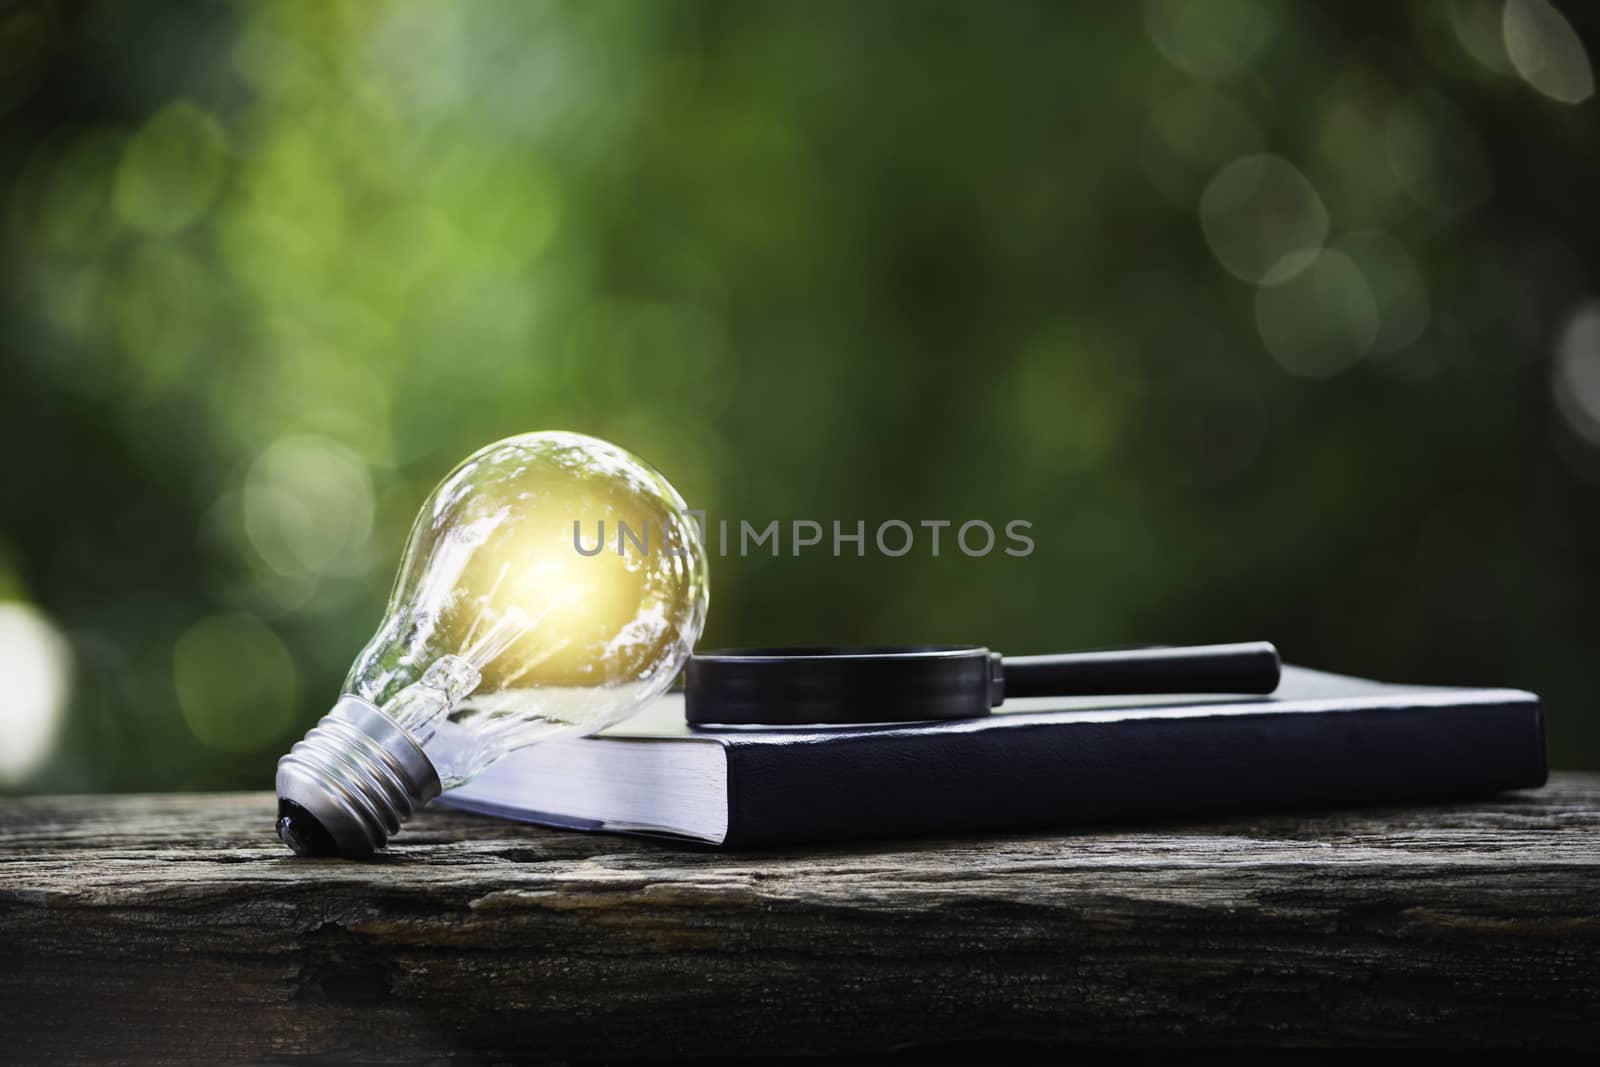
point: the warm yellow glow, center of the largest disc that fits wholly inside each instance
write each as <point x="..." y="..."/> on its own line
<point x="591" y="619"/>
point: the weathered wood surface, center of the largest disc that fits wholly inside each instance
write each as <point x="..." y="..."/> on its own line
<point x="176" y="928"/>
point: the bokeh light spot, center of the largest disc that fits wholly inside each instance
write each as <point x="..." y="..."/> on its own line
<point x="236" y="682"/>
<point x="308" y="506"/>
<point x="1478" y="25"/>
<point x="1210" y="40"/>
<point x="268" y="57"/>
<point x="171" y="170"/>
<point x="1576" y="378"/>
<point x="1546" y="51"/>
<point x="1192" y="133"/>
<point x="36" y="664"/>
<point x="1348" y="161"/>
<point x="71" y="212"/>
<point x="284" y="220"/>
<point x="1397" y="286"/>
<point x="160" y="309"/>
<point x="413" y="59"/>
<point x="500" y="211"/>
<point x="1437" y="154"/>
<point x="1264" y="221"/>
<point x="1321" y="322"/>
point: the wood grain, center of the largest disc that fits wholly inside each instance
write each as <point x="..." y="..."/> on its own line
<point x="177" y="929"/>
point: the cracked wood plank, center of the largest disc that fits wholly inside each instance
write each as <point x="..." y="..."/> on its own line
<point x="177" y="929"/>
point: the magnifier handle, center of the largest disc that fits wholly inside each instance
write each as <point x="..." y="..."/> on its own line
<point x="1247" y="667"/>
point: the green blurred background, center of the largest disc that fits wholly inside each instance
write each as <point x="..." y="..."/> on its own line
<point x="1276" y="321"/>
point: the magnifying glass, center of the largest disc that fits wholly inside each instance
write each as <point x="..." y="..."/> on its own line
<point x="919" y="683"/>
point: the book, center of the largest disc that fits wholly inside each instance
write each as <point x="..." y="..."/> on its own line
<point x="1321" y="741"/>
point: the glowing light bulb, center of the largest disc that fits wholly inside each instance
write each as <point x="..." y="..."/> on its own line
<point x="552" y="584"/>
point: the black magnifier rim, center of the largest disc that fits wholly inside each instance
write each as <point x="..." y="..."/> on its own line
<point x="837" y="652"/>
<point x="828" y="685"/>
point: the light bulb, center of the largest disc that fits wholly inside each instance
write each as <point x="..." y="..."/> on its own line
<point x="552" y="584"/>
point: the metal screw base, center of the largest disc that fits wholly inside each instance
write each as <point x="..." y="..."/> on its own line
<point x="351" y="783"/>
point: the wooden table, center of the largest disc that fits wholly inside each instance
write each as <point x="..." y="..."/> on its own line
<point x="176" y="928"/>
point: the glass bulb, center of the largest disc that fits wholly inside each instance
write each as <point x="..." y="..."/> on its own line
<point x="552" y="584"/>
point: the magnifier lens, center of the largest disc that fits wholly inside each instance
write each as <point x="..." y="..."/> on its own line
<point x="804" y="686"/>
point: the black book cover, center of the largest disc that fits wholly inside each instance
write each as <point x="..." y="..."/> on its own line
<point x="1321" y="741"/>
